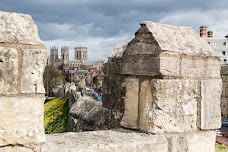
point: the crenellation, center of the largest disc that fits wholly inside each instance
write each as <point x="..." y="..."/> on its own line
<point x="164" y="85"/>
<point x="171" y="84"/>
<point x="23" y="58"/>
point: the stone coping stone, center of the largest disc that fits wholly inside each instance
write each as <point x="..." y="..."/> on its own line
<point x="105" y="141"/>
<point x="179" y="39"/>
<point x="18" y="28"/>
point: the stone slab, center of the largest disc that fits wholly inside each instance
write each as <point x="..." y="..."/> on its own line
<point x="34" y="62"/>
<point x="8" y="71"/>
<point x="179" y="39"/>
<point x="130" y="117"/>
<point x="105" y="141"/>
<point x="171" y="65"/>
<point x="168" y="105"/>
<point x="200" y="68"/>
<point x="21" y="120"/>
<point x="16" y="149"/>
<point x="141" y="65"/>
<point x="18" y="28"/>
<point x="210" y="111"/>
<point x="201" y="141"/>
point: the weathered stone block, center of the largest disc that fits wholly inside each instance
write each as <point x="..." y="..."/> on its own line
<point x="16" y="149"/>
<point x="141" y="65"/>
<point x="210" y="111"/>
<point x="168" y="105"/>
<point x="170" y="38"/>
<point x="169" y="66"/>
<point x="34" y="62"/>
<point x="18" y="28"/>
<point x="202" y="141"/>
<point x="8" y="70"/>
<point x="200" y="68"/>
<point x="130" y="118"/>
<point x="105" y="141"/>
<point x="21" y="120"/>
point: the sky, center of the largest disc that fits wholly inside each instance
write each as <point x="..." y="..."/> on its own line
<point x="100" y="25"/>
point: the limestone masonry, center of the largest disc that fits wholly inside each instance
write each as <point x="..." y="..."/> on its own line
<point x="165" y="83"/>
<point x="168" y="81"/>
<point x="23" y="58"/>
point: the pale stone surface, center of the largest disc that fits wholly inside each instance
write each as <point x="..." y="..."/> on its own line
<point x="130" y="117"/>
<point x="118" y="51"/>
<point x="16" y="149"/>
<point x="170" y="66"/>
<point x="86" y="115"/>
<point x="8" y="70"/>
<point x="200" y="68"/>
<point x="18" y="28"/>
<point x="168" y="105"/>
<point x="210" y="111"/>
<point x="105" y="141"/>
<point x="34" y="62"/>
<point x="21" y="120"/>
<point x="178" y="39"/>
<point x="141" y="65"/>
<point x="201" y="141"/>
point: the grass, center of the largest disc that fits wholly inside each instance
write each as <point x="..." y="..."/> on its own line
<point x="56" y="115"/>
<point x="221" y="148"/>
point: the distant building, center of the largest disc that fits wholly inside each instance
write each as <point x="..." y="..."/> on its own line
<point x="79" y="77"/>
<point x="54" y="59"/>
<point x="220" y="45"/>
<point x="98" y="64"/>
<point x="81" y="54"/>
<point x="65" y="55"/>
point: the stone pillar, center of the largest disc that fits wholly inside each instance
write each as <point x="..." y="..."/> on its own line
<point x="172" y="86"/>
<point x="23" y="58"/>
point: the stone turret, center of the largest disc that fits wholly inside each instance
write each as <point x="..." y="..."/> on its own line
<point x="166" y="81"/>
<point x="23" y="58"/>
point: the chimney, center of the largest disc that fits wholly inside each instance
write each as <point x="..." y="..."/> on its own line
<point x="210" y="34"/>
<point x="203" y="31"/>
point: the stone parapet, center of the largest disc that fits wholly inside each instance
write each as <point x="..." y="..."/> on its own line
<point x="105" y="141"/>
<point x="121" y="140"/>
<point x="171" y="85"/>
<point x="23" y="58"/>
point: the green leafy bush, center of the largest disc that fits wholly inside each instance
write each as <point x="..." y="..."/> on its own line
<point x="221" y="148"/>
<point x="56" y="116"/>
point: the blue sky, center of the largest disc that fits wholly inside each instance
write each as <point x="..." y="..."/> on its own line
<point x="101" y="24"/>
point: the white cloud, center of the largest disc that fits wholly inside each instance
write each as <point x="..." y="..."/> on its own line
<point x="214" y="20"/>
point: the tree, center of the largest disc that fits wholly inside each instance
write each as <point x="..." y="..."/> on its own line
<point x="51" y="78"/>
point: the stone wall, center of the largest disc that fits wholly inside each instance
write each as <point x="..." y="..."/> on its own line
<point x="23" y="58"/>
<point x="165" y="83"/>
<point x="169" y="84"/>
<point x="224" y="97"/>
<point x="114" y="87"/>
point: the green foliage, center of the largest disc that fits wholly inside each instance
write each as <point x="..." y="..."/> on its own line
<point x="221" y="148"/>
<point x="51" y="77"/>
<point x="56" y="116"/>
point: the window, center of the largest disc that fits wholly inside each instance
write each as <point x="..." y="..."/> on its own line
<point x="225" y="43"/>
<point x="223" y="52"/>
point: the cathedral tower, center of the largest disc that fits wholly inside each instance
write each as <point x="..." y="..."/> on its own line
<point x="81" y="54"/>
<point x="65" y="55"/>
<point x="53" y="55"/>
